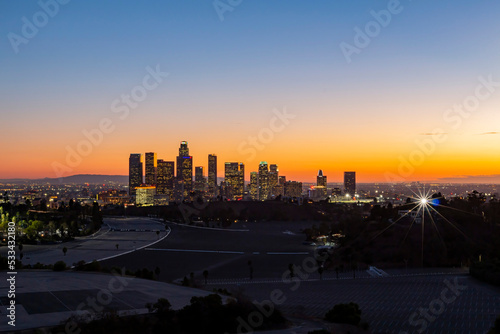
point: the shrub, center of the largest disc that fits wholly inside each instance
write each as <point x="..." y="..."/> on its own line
<point x="59" y="266"/>
<point x="344" y="314"/>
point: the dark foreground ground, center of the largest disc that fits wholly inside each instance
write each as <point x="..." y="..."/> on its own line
<point x="412" y="301"/>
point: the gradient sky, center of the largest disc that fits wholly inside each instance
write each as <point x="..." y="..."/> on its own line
<point x="226" y="78"/>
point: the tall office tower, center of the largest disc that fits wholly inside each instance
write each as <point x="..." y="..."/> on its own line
<point x="185" y="168"/>
<point x="273" y="180"/>
<point x="234" y="177"/>
<point x="184" y="150"/>
<point x="199" y="180"/>
<point x="151" y="168"/>
<point x="134" y="172"/>
<point x="241" y="180"/>
<point x="254" y="186"/>
<point x="281" y="186"/>
<point x="178" y="191"/>
<point x="293" y="189"/>
<point x="350" y="183"/>
<point x="321" y="184"/>
<point x="321" y="179"/>
<point x="165" y="177"/>
<point x="263" y="181"/>
<point x="212" y="175"/>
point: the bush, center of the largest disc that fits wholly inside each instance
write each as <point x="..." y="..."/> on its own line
<point x="344" y="314"/>
<point x="59" y="266"/>
<point x="496" y="327"/>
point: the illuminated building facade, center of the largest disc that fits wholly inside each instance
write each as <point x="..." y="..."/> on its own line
<point x="145" y="195"/>
<point x="254" y="186"/>
<point x="134" y="172"/>
<point x="212" y="175"/>
<point x="293" y="189"/>
<point x="234" y="178"/>
<point x="263" y="181"/>
<point x="165" y="178"/>
<point x="273" y="180"/>
<point x="185" y="168"/>
<point x="350" y="183"/>
<point x="321" y="188"/>
<point x="150" y="169"/>
<point x="199" y="180"/>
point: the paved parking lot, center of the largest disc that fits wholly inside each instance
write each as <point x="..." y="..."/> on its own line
<point x="128" y="233"/>
<point x="392" y="304"/>
<point x="405" y="301"/>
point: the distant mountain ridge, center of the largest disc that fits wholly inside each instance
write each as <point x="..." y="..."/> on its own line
<point x="76" y="179"/>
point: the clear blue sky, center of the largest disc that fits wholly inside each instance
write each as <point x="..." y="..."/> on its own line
<point x="228" y="75"/>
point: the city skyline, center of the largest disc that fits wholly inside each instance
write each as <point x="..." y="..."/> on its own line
<point x="235" y="91"/>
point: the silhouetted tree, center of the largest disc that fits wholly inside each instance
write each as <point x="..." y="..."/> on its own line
<point x="205" y="275"/>
<point x="157" y="272"/>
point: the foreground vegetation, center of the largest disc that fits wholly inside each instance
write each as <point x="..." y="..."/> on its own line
<point x="204" y="315"/>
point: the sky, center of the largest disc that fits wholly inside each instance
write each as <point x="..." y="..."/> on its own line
<point x="394" y="90"/>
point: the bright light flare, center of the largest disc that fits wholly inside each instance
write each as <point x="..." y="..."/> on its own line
<point x="424" y="201"/>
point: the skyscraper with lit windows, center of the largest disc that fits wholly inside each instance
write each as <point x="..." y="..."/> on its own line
<point x="263" y="181"/>
<point x="212" y="175"/>
<point x="134" y="172"/>
<point x="151" y="166"/>
<point x="254" y="186"/>
<point x="234" y="178"/>
<point x="273" y="180"/>
<point x="185" y="168"/>
<point x="165" y="178"/>
<point x="199" y="180"/>
<point x="321" y="184"/>
<point x="350" y="183"/>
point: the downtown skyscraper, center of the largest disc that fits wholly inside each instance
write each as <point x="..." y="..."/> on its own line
<point x="253" y="187"/>
<point x="350" y="183"/>
<point x="150" y="169"/>
<point x="234" y="177"/>
<point x="185" y="168"/>
<point x="321" y="183"/>
<point x="273" y="180"/>
<point x="212" y="175"/>
<point x="165" y="178"/>
<point x="199" y="180"/>
<point x="134" y="172"/>
<point x="263" y="181"/>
